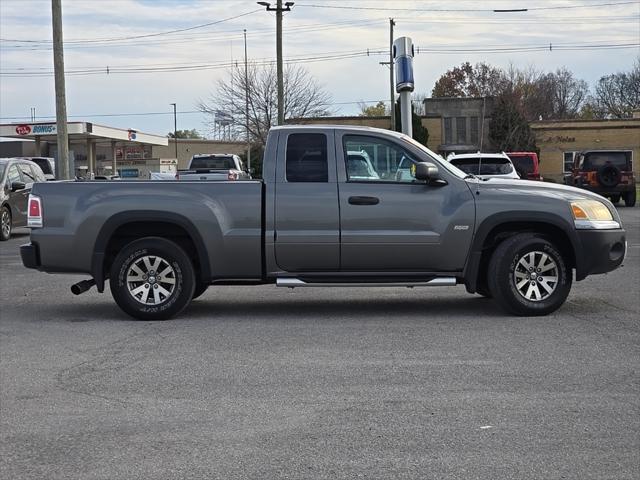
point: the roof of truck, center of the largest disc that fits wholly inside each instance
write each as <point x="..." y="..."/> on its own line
<point x="340" y="127"/>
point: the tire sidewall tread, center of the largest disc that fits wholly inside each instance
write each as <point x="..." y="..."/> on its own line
<point x="504" y="261"/>
<point x="179" y="261"/>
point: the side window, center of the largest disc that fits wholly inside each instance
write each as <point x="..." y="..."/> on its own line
<point x="306" y="159"/>
<point x="13" y="175"/>
<point x="27" y="173"/>
<point x="371" y="159"/>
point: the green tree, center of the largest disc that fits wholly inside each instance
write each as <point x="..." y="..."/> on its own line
<point x="420" y="133"/>
<point x="185" y="134"/>
<point x="377" y="110"/>
<point x="509" y="129"/>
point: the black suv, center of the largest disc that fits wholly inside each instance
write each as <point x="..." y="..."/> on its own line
<point x="606" y="172"/>
<point x="17" y="175"/>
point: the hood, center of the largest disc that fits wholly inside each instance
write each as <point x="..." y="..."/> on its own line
<point x="537" y="189"/>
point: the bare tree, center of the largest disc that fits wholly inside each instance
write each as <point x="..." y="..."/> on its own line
<point x="569" y="93"/>
<point x="619" y="94"/>
<point x="304" y="97"/>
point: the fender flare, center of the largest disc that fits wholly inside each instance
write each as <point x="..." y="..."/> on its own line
<point x="472" y="267"/>
<point x="119" y="219"/>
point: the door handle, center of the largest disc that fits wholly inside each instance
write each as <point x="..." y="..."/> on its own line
<point x="364" y="200"/>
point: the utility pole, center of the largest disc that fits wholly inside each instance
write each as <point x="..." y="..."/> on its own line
<point x="246" y="96"/>
<point x="392" y="110"/>
<point x="61" y="99"/>
<point x="279" y="9"/>
<point x="175" y="129"/>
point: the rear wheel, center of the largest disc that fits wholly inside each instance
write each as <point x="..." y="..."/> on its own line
<point x="5" y="224"/>
<point x="152" y="279"/>
<point x="528" y="276"/>
<point x="615" y="198"/>
<point x="630" y="198"/>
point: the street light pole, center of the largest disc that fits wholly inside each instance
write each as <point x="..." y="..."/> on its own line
<point x="279" y="9"/>
<point x="175" y="129"/>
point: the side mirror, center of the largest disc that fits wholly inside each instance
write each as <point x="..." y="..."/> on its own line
<point x="426" y="171"/>
<point x="17" y="185"/>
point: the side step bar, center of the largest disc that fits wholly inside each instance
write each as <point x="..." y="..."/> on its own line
<point x="435" y="282"/>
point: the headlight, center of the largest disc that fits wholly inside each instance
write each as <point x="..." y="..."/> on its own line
<point x="592" y="214"/>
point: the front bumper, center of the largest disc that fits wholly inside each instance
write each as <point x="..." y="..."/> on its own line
<point x="602" y="251"/>
<point x="30" y="255"/>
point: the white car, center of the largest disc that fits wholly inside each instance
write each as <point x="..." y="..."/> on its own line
<point x="359" y="166"/>
<point x="485" y="165"/>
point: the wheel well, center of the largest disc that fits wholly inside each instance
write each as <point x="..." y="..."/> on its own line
<point x="129" y="232"/>
<point x="499" y="233"/>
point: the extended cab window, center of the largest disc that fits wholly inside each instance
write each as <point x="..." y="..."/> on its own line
<point x="307" y="158"/>
<point x="371" y="159"/>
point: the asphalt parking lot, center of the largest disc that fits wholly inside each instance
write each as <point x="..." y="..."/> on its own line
<point x="259" y="382"/>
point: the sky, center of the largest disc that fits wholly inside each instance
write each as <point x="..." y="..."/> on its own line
<point x="126" y="63"/>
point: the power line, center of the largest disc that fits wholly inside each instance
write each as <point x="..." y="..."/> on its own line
<point x="434" y="49"/>
<point x="149" y="114"/>
<point x="134" y="37"/>
<point x="474" y="10"/>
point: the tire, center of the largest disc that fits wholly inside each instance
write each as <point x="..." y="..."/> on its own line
<point x="146" y="259"/>
<point x="484" y="291"/>
<point x="199" y="290"/>
<point x="615" y="199"/>
<point x="5" y="224"/>
<point x="608" y="176"/>
<point x="511" y="262"/>
<point x="630" y="198"/>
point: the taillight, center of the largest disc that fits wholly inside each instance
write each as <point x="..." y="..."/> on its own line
<point x="34" y="218"/>
<point x="233" y="175"/>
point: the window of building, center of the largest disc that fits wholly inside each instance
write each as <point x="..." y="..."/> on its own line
<point x="473" y="130"/>
<point x="568" y="162"/>
<point x="448" y="130"/>
<point x="461" y="130"/>
<point x="306" y="159"/>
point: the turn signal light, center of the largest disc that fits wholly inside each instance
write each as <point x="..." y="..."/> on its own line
<point x="578" y="212"/>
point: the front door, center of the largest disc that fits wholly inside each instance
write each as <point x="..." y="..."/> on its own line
<point x="390" y="221"/>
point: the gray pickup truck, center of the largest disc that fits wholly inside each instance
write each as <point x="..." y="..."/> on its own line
<point x="314" y="220"/>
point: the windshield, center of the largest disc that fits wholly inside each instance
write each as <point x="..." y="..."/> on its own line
<point x="523" y="163"/>
<point x="213" y="163"/>
<point x="435" y="157"/>
<point x="483" y="166"/>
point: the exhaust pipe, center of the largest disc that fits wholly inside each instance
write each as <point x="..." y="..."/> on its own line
<point x="82" y="286"/>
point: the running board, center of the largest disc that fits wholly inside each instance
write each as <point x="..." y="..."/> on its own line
<point x="435" y="282"/>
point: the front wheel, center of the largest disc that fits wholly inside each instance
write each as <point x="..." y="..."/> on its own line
<point x="528" y="275"/>
<point x="152" y="279"/>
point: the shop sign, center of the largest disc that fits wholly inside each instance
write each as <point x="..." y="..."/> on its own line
<point x="37" y="129"/>
<point x="23" y="129"/>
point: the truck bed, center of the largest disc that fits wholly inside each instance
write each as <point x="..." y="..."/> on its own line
<point x="83" y="217"/>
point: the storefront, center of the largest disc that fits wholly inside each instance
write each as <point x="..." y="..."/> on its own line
<point x="93" y="149"/>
